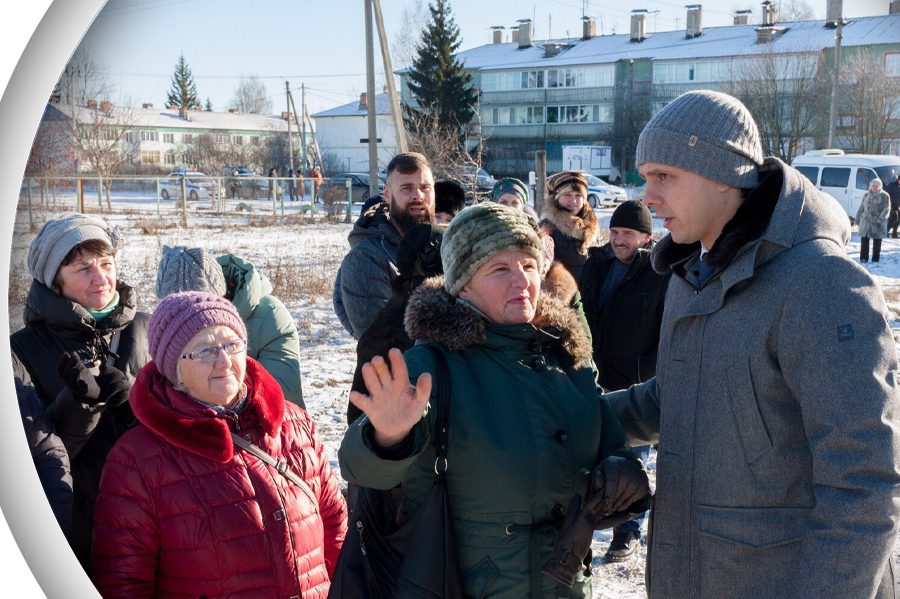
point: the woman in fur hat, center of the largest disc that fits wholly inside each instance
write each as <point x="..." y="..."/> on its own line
<point x="526" y="425"/>
<point x="569" y="219"/>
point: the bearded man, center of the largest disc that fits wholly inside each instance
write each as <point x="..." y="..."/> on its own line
<point x="362" y="286"/>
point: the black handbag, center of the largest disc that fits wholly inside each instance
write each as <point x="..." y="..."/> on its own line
<point x="370" y="565"/>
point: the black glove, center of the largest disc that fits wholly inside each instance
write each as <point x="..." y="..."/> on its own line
<point x="114" y="386"/>
<point x="619" y="491"/>
<point x="621" y="481"/>
<point x="78" y="378"/>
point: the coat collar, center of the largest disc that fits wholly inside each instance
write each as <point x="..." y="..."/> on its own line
<point x="188" y="425"/>
<point x="434" y="314"/>
<point x="582" y="227"/>
<point x="71" y="318"/>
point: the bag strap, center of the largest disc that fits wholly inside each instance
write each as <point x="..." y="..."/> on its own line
<point x="280" y="466"/>
<point x="442" y="409"/>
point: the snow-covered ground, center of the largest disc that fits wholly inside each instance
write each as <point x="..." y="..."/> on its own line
<point x="301" y="258"/>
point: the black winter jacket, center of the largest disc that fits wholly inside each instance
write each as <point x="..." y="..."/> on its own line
<point x="48" y="452"/>
<point x="54" y="325"/>
<point x="625" y="329"/>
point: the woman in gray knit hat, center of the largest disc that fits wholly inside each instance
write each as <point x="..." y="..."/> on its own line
<point x="82" y="345"/>
<point x="526" y="426"/>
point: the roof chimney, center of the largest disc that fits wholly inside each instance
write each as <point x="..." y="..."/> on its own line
<point x="834" y="12"/>
<point x="588" y="28"/>
<point x="638" y="20"/>
<point x="364" y="101"/>
<point x="147" y="105"/>
<point x="694" y="20"/>
<point x="742" y="17"/>
<point x="285" y="115"/>
<point x="497" y="34"/>
<point x="230" y="110"/>
<point x="106" y="106"/>
<point x="524" y="33"/>
<point x="514" y="34"/>
<point x="764" y="34"/>
<point x="183" y="113"/>
<point x="895" y="7"/>
<point x="92" y="104"/>
<point x="769" y="13"/>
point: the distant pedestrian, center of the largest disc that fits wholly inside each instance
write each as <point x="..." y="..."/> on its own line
<point x="893" y="190"/>
<point x="317" y="180"/>
<point x="292" y="184"/>
<point x="871" y="219"/>
<point x="272" y="181"/>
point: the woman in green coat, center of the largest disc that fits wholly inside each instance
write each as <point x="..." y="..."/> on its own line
<point x="527" y="426"/>
<point x="273" y="338"/>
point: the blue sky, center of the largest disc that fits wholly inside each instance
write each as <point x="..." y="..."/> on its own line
<point x="321" y="44"/>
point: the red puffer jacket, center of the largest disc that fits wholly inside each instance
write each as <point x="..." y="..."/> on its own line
<point x="182" y="514"/>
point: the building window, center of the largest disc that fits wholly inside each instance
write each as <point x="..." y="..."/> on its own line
<point x="149" y="157"/>
<point x="187" y="138"/>
<point x="553" y="114"/>
<point x="129" y="137"/>
<point x="534" y="115"/>
<point x="169" y="138"/>
<point x="170" y="158"/>
<point x="892" y="64"/>
<point x="892" y="107"/>
<point x="846" y="120"/>
<point x="238" y="140"/>
<point x="532" y="79"/>
<point x="150" y="136"/>
<point x="221" y="138"/>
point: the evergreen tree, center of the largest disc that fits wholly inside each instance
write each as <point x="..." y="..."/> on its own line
<point x="183" y="92"/>
<point x="208" y="107"/>
<point x="442" y="89"/>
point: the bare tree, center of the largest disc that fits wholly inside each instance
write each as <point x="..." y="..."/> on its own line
<point x="51" y="153"/>
<point x="83" y="79"/>
<point x="787" y="95"/>
<point x="251" y="96"/>
<point x="448" y="157"/>
<point x="795" y="10"/>
<point x="406" y="40"/>
<point x="870" y="104"/>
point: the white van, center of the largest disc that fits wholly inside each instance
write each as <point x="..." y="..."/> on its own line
<point x="846" y="177"/>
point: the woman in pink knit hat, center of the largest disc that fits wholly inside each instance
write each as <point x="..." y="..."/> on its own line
<point x="223" y="489"/>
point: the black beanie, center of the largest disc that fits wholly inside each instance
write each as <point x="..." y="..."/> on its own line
<point x="632" y="214"/>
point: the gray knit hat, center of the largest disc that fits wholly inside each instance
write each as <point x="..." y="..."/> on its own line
<point x="708" y="133"/>
<point x="480" y="232"/>
<point x="188" y="269"/>
<point x="58" y="237"/>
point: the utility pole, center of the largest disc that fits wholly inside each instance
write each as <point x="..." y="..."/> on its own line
<point x="397" y="117"/>
<point x="287" y="99"/>
<point x="303" y="128"/>
<point x="370" y="102"/>
<point x="832" y="113"/>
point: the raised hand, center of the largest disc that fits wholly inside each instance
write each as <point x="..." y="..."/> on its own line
<point x="393" y="405"/>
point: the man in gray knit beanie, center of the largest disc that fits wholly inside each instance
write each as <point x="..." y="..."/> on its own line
<point x="775" y="397"/>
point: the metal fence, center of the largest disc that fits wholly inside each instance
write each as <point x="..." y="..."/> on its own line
<point x="183" y="196"/>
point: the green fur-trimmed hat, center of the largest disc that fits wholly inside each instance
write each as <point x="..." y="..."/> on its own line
<point x="480" y="232"/>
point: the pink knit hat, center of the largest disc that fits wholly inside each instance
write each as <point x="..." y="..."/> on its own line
<point x="179" y="317"/>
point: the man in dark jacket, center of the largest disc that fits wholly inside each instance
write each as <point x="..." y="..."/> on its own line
<point x="363" y="284"/>
<point x="623" y="302"/>
<point x="893" y="190"/>
<point x="774" y="402"/>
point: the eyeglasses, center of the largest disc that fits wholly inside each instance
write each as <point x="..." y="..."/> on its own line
<point x="207" y="355"/>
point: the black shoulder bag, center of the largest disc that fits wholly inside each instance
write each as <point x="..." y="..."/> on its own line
<point x="369" y="565"/>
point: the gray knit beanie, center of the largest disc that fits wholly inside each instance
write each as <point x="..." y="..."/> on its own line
<point x="188" y="269"/>
<point x="480" y="232"/>
<point x="58" y="237"/>
<point x="708" y="133"/>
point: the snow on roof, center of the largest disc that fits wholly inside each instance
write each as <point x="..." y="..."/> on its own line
<point x="382" y="106"/>
<point x="157" y="118"/>
<point x="731" y="40"/>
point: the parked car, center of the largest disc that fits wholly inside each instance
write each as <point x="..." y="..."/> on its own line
<point x="601" y="193"/>
<point x="197" y="186"/>
<point x="335" y="189"/>
<point x="477" y="182"/>
<point x="244" y="183"/>
<point x="846" y="177"/>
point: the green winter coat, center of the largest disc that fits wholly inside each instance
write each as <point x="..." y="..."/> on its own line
<point x="273" y="341"/>
<point x="526" y="428"/>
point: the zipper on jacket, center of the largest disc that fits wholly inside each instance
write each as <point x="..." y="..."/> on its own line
<point x="362" y="543"/>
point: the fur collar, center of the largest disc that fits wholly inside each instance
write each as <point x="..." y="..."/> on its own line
<point x="582" y="227"/>
<point x="434" y="314"/>
<point x="747" y="225"/>
<point x="188" y="425"/>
